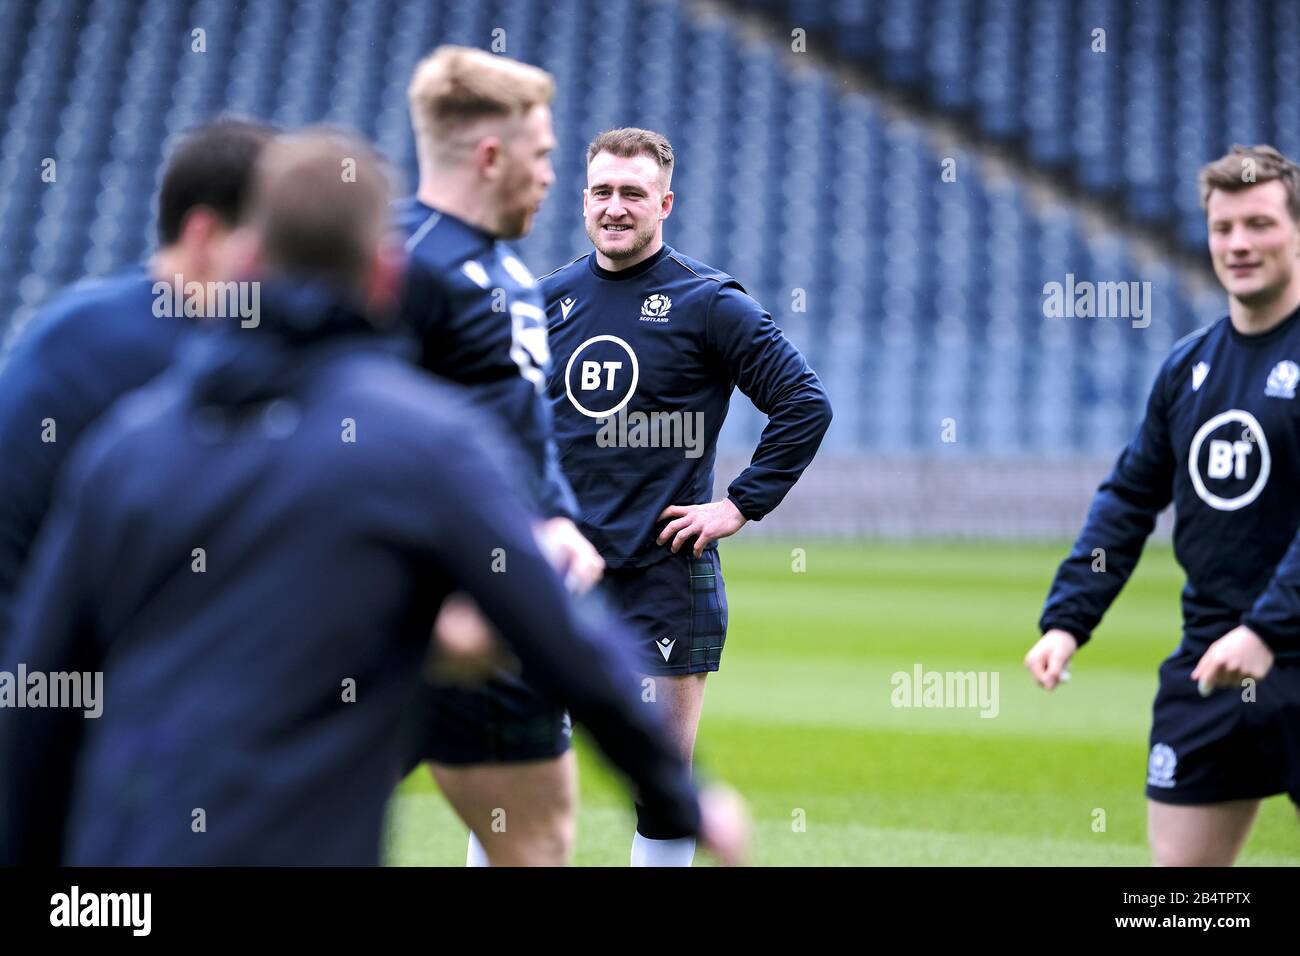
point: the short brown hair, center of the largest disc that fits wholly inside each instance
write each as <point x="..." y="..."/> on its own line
<point x="320" y="206"/>
<point x="1266" y="164"/>
<point x="455" y="87"/>
<point x="631" y="141"/>
<point x="211" y="166"/>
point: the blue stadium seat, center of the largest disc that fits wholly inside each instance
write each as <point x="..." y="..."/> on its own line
<point x="918" y="299"/>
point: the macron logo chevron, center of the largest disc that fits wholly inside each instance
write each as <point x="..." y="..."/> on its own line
<point x="566" y="306"/>
<point x="1199" y="371"/>
<point x="665" y="647"/>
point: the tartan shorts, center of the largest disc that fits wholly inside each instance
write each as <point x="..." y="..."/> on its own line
<point x="677" y="608"/>
<point x="506" y="720"/>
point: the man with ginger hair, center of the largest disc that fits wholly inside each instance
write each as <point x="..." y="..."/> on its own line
<point x="1220" y="440"/>
<point x="483" y="136"/>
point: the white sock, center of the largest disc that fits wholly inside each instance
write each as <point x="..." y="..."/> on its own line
<point x="647" y="852"/>
<point x="477" y="856"/>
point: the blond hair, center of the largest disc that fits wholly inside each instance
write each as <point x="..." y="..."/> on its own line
<point x="456" y="87"/>
<point x="1247" y="166"/>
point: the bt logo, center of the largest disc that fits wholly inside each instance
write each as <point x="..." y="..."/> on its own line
<point x="1223" y="454"/>
<point x="605" y="371"/>
<point x="1228" y="448"/>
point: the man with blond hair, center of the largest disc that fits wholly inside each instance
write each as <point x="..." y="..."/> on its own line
<point x="1220" y="440"/>
<point x="649" y="345"/>
<point x="483" y="136"/>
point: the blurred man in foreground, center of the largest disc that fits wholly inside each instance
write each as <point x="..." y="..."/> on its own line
<point x="98" y="340"/>
<point x="249" y="551"/>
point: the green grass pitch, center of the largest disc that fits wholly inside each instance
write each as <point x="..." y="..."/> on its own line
<point x="800" y="718"/>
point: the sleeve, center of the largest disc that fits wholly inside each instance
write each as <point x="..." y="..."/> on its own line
<point x="23" y="501"/>
<point x="774" y="375"/>
<point x="38" y="745"/>
<point x="573" y="651"/>
<point x="1276" y="614"/>
<point x="36" y="384"/>
<point x="424" y="314"/>
<point x="558" y="499"/>
<point x="1122" y="516"/>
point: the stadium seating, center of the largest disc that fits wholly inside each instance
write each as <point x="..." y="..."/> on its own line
<point x="918" y="299"/>
<point x="1175" y="84"/>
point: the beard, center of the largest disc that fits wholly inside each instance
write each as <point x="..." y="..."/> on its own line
<point x="513" y="224"/>
<point x="641" y="237"/>
<point x="516" y="205"/>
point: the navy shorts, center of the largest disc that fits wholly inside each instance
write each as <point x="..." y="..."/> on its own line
<point x="506" y="720"/>
<point x="677" y="609"/>
<point x="1240" y="743"/>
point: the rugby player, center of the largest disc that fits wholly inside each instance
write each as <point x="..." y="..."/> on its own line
<point x="1220" y="439"/>
<point x="98" y="340"/>
<point x="483" y="135"/>
<point x="648" y="345"/>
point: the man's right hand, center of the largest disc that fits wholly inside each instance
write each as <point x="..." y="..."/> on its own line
<point x="725" y="825"/>
<point x="574" y="557"/>
<point x="1048" y="658"/>
<point x="467" y="648"/>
